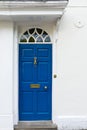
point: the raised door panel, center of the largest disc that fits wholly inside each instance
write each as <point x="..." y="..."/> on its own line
<point x="27" y="72"/>
<point x="42" y="71"/>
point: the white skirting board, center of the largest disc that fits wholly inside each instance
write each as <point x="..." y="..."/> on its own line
<point x="71" y="122"/>
<point x="6" y="122"/>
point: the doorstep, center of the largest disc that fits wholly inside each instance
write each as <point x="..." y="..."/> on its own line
<point x="35" y="125"/>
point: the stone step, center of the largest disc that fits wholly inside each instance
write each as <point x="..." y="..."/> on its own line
<point x="45" y="125"/>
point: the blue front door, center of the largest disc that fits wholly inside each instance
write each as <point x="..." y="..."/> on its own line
<point x="35" y="81"/>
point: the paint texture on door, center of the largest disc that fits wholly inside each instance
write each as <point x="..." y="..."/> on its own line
<point x="35" y="81"/>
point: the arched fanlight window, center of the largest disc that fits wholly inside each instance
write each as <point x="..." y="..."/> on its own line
<point x="35" y="35"/>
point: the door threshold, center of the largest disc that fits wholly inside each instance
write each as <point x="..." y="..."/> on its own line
<point x="42" y="122"/>
<point x="35" y="125"/>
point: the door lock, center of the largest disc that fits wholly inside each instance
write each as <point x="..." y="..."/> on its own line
<point x="45" y="87"/>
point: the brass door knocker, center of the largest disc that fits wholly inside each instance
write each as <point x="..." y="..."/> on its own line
<point x="35" y="60"/>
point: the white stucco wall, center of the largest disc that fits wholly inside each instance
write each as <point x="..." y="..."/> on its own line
<point x="6" y="75"/>
<point x="77" y="3"/>
<point x="70" y="90"/>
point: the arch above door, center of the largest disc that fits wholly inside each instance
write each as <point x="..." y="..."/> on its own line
<point x="35" y="35"/>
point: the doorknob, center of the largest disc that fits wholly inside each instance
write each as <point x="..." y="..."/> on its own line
<point x="35" y="60"/>
<point x="45" y="87"/>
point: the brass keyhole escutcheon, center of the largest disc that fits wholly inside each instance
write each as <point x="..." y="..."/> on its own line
<point x="35" y="60"/>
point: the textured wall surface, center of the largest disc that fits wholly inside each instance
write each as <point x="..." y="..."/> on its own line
<point x="6" y="75"/>
<point x="70" y="109"/>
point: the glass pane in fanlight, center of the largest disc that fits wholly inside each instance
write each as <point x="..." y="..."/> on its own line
<point x="47" y="39"/>
<point x="31" y="31"/>
<point x="39" y="30"/>
<point x="23" y="39"/>
<point x="26" y="34"/>
<point x="31" y="39"/>
<point x="35" y="35"/>
<point x="44" y="34"/>
<point x="39" y="39"/>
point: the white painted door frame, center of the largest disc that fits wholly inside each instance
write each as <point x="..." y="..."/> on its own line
<point x="15" y="67"/>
